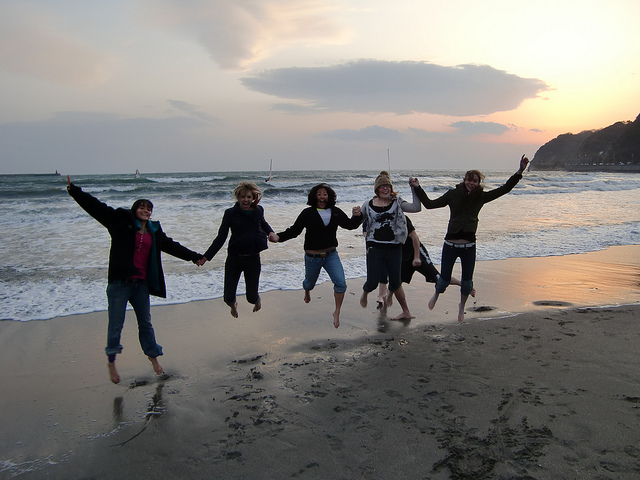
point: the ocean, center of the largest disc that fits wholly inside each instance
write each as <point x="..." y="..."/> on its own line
<point x="54" y="255"/>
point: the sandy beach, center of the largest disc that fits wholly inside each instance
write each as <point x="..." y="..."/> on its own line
<point x="540" y="381"/>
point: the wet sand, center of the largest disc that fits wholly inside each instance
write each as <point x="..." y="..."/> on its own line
<point x="540" y="381"/>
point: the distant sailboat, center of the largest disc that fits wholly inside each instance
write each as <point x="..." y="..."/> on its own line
<point x="270" y="171"/>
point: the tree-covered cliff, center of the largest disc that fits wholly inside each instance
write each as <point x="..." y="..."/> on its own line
<point x="616" y="147"/>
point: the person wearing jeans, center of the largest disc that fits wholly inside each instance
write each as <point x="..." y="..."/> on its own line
<point x="321" y="221"/>
<point x="464" y="201"/>
<point x="135" y="269"/>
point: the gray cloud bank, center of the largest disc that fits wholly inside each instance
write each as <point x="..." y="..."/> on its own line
<point x="370" y="86"/>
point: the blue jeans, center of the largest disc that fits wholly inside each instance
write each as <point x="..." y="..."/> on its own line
<point x="450" y="254"/>
<point x="137" y="294"/>
<point x="379" y="259"/>
<point x="331" y="264"/>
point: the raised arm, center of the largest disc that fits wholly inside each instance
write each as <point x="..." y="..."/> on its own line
<point x="509" y="184"/>
<point x="424" y="199"/>
<point x="414" y="206"/>
<point x="102" y="212"/>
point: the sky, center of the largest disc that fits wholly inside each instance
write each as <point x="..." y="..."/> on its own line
<point x="228" y="85"/>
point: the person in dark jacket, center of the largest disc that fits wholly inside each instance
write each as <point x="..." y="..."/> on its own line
<point x="464" y="202"/>
<point x="321" y="221"/>
<point x="135" y="269"/>
<point x="249" y="231"/>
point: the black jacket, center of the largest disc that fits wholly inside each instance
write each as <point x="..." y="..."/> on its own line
<point x="122" y="227"/>
<point x="249" y="232"/>
<point x="318" y="236"/>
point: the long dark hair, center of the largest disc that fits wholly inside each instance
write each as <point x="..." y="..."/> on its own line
<point x="312" y="199"/>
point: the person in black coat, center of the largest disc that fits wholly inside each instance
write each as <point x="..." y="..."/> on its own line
<point x="249" y="231"/>
<point x="135" y="269"/>
<point x="321" y="221"/>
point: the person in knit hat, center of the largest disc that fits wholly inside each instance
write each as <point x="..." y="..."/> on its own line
<point x="385" y="232"/>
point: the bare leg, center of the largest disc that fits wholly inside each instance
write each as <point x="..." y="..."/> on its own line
<point x="156" y="365"/>
<point x="113" y="373"/>
<point x="433" y="300"/>
<point x="234" y="310"/>
<point x="455" y="281"/>
<point x="382" y="293"/>
<point x="402" y="300"/>
<point x="339" y="298"/>
<point x="463" y="302"/>
<point x="363" y="299"/>
<point x="307" y="296"/>
<point x="389" y="299"/>
<point x="257" y="306"/>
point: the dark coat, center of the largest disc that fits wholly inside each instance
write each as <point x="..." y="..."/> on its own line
<point x="318" y="236"/>
<point x="122" y="226"/>
<point x="464" y="208"/>
<point x="249" y="232"/>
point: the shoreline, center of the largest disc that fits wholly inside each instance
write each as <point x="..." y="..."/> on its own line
<point x="548" y="388"/>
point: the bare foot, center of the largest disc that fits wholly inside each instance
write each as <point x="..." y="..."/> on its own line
<point x="113" y="373"/>
<point x="473" y="292"/>
<point x="257" y="306"/>
<point x="433" y="300"/>
<point x="307" y="296"/>
<point x="461" y="314"/>
<point x="363" y="299"/>
<point x="156" y="365"/>
<point x="336" y="319"/>
<point x="403" y="316"/>
<point x="234" y="310"/>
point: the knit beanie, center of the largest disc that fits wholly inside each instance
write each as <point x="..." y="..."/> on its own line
<point x="382" y="179"/>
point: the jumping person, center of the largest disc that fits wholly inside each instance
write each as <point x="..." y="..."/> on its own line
<point x="386" y="231"/>
<point x="464" y="201"/>
<point x="135" y="269"/>
<point x="249" y="231"/>
<point x="321" y="221"/>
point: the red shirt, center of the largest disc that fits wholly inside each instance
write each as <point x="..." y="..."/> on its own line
<point x="141" y="254"/>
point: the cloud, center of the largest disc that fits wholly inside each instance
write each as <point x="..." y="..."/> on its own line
<point x="367" y="86"/>
<point x="469" y="129"/>
<point x="371" y="133"/>
<point x="192" y="111"/>
<point x="33" y="44"/>
<point x="238" y="33"/>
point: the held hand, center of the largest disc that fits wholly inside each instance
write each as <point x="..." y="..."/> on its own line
<point x="273" y="237"/>
<point x="201" y="262"/>
<point x="416" y="262"/>
<point x="356" y="211"/>
<point x="414" y="182"/>
<point x="524" y="161"/>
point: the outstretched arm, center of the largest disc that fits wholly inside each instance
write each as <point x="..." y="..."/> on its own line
<point x="510" y="183"/>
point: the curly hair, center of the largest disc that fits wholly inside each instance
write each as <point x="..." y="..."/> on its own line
<point x="245" y="186"/>
<point x="312" y="199"/>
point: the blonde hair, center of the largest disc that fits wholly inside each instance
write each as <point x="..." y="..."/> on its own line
<point x="474" y="172"/>
<point x="245" y="186"/>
